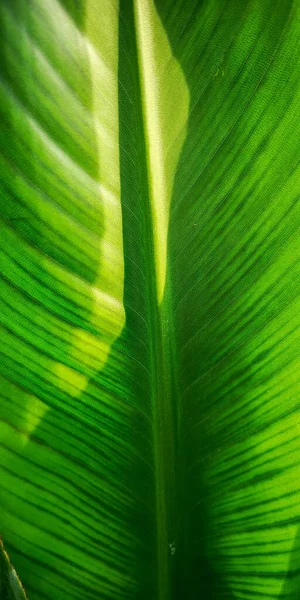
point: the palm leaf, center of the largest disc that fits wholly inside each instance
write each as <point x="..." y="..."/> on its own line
<point x="149" y="298"/>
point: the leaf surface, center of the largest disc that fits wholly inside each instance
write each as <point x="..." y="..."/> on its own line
<point x="10" y="585"/>
<point x="149" y="371"/>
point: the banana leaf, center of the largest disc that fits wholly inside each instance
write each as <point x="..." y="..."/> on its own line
<point x="149" y="369"/>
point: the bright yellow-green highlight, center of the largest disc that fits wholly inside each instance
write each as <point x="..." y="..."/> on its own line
<point x="166" y="108"/>
<point x="106" y="308"/>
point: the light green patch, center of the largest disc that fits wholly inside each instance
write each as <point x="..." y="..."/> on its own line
<point x="106" y="310"/>
<point x="166" y="98"/>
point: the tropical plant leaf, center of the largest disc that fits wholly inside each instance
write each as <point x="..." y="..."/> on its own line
<point x="149" y="372"/>
<point x="10" y="585"/>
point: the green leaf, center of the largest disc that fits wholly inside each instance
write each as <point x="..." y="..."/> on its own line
<point x="10" y="585"/>
<point x="149" y="369"/>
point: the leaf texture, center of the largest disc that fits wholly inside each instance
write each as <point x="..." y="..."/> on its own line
<point x="149" y="371"/>
<point x="10" y="585"/>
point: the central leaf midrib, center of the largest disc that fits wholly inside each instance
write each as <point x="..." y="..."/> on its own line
<point x="162" y="378"/>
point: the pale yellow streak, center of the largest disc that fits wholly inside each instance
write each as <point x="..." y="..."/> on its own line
<point x="102" y="31"/>
<point x="165" y="99"/>
<point x="106" y="311"/>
